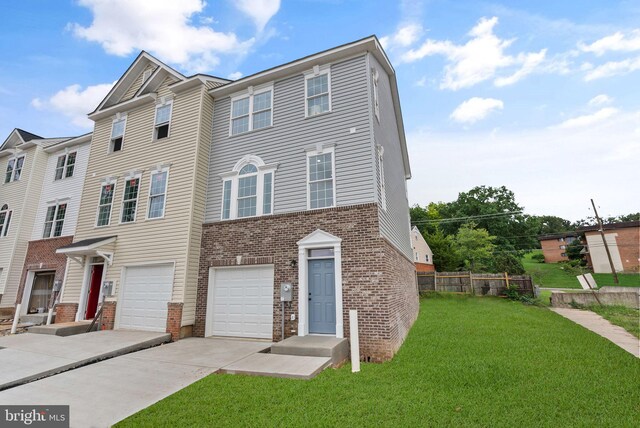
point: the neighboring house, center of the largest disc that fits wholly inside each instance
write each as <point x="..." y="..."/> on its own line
<point x="554" y="246"/>
<point x="422" y="254"/>
<point x="307" y="188"/>
<point x="55" y="222"/>
<point x="24" y="160"/>
<point x="142" y="209"/>
<point x="623" y="240"/>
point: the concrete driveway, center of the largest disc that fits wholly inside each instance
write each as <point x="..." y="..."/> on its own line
<point x="106" y="392"/>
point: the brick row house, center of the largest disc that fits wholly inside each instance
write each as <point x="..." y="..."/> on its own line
<point x="623" y="240"/>
<point x="39" y="205"/>
<point x="203" y="198"/>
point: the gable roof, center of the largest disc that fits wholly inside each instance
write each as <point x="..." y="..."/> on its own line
<point x="27" y="136"/>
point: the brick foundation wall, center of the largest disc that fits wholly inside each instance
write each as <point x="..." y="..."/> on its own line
<point x="174" y="319"/>
<point x="41" y="256"/>
<point x="66" y="312"/>
<point x="371" y="283"/>
<point x="424" y="267"/>
<point x="108" y="316"/>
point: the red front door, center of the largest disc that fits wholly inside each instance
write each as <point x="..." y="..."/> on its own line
<point x="94" y="291"/>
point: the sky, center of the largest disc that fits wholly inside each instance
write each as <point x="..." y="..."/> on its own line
<point x="541" y="96"/>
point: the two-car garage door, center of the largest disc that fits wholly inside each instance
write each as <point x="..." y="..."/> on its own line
<point x="146" y="290"/>
<point x="240" y="302"/>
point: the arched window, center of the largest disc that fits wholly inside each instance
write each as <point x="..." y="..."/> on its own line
<point x="247" y="191"/>
<point x="5" y="220"/>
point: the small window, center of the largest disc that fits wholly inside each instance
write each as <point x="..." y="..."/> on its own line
<point x="376" y="100"/>
<point x="163" y="118"/>
<point x="5" y="220"/>
<point x="130" y="200"/>
<point x="117" y="134"/>
<point x="417" y="257"/>
<point x="226" y="199"/>
<point x="267" y="200"/>
<point x="251" y="112"/>
<point x="563" y="247"/>
<point x="321" y="252"/>
<point x="381" y="180"/>
<point x="426" y="258"/>
<point x="14" y="169"/>
<point x="54" y="221"/>
<point x="157" y="194"/>
<point x="65" y="166"/>
<point x="321" y="183"/>
<point x="318" y="96"/>
<point x="564" y="254"/>
<point x="105" y="203"/>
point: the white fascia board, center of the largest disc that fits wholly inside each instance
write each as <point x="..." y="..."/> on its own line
<point x="122" y="107"/>
<point x="76" y="141"/>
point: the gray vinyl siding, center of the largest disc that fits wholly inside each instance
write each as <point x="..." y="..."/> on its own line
<point x="394" y="221"/>
<point x="291" y="133"/>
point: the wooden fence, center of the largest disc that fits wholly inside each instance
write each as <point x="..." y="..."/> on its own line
<point x="480" y="284"/>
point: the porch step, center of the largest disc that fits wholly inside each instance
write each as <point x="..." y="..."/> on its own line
<point x="62" y="329"/>
<point x="274" y="365"/>
<point x="314" y="346"/>
<point x="34" y="319"/>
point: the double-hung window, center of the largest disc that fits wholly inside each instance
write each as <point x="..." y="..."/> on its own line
<point x="14" y="169"/>
<point x="157" y="194"/>
<point x="130" y="199"/>
<point x="247" y="191"/>
<point x="320" y="179"/>
<point x="5" y="220"/>
<point x="65" y="166"/>
<point x="54" y="220"/>
<point x="117" y="133"/>
<point x="251" y="111"/>
<point x="317" y="91"/>
<point x="105" y="203"/>
<point x="163" y="119"/>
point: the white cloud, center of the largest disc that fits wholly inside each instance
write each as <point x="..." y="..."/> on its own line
<point x="480" y="59"/>
<point x="405" y="36"/>
<point x="162" y="27"/>
<point x="613" y="68"/>
<point x="75" y="102"/>
<point x="475" y="109"/>
<point x="617" y="42"/>
<point x="527" y="160"/>
<point x="588" y="119"/>
<point x="601" y="99"/>
<point x="235" y="75"/>
<point x="261" y="11"/>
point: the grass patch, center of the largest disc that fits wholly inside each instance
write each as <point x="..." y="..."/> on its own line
<point x="554" y="275"/>
<point x="627" y="318"/>
<point x="467" y="361"/>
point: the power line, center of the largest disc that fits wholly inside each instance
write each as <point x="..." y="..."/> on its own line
<point x="456" y="219"/>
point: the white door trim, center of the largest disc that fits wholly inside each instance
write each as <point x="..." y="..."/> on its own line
<point x="318" y="239"/>
<point x="84" y="291"/>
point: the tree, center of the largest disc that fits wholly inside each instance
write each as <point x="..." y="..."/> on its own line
<point x="504" y="261"/>
<point x="474" y="247"/>
<point x="574" y="251"/>
<point x="445" y="257"/>
<point x="426" y="219"/>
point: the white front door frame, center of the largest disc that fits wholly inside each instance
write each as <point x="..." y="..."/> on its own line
<point x="28" y="285"/>
<point x="318" y="239"/>
<point x="86" y="283"/>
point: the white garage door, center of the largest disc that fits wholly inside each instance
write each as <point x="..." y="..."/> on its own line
<point x="241" y="302"/>
<point x="145" y="293"/>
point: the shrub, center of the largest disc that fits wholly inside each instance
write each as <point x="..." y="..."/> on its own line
<point x="538" y="257"/>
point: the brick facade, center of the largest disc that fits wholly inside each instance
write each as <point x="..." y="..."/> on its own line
<point x="108" y="316"/>
<point x="424" y="267"/>
<point x="66" y="312"/>
<point x="627" y="245"/>
<point x="174" y="319"/>
<point x="41" y="256"/>
<point x="377" y="279"/>
<point x="552" y="251"/>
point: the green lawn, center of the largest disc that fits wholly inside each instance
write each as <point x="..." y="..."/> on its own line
<point x="627" y="318"/>
<point x="468" y="361"/>
<point x="555" y="275"/>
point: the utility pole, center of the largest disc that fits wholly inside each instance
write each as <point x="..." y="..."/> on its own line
<point x="606" y="246"/>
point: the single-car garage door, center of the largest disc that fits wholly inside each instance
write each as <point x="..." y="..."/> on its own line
<point x="241" y="302"/>
<point x="146" y="290"/>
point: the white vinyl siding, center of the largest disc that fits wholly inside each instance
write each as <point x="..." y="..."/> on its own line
<point x="65" y="166"/>
<point x="54" y="221"/>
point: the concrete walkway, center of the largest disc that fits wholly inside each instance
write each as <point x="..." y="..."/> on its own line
<point x="27" y="357"/>
<point x="101" y="394"/>
<point x="597" y="324"/>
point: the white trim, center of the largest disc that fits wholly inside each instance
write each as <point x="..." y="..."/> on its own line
<point x="234" y="177"/>
<point x="77" y="250"/>
<point x="119" y="117"/>
<point x="250" y="93"/>
<point x="28" y="286"/>
<point x="57" y="205"/>
<point x="65" y="165"/>
<point x="318" y="239"/>
<point x="14" y="158"/>
<point x="164" y="101"/>
<point x="376" y="98"/>
<point x="123" y="279"/>
<point x="321" y="150"/>
<point x="84" y="291"/>
<point x="106" y="182"/>
<point x="166" y="192"/>
<point x="381" y="177"/>
<point x="315" y="72"/>
<point x="138" y="177"/>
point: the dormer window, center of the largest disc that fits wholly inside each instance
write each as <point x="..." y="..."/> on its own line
<point x="117" y="133"/>
<point x="14" y="169"/>
<point x="247" y="191"/>
<point x="163" y="119"/>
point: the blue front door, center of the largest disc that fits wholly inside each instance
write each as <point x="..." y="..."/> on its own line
<point x="322" y="297"/>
